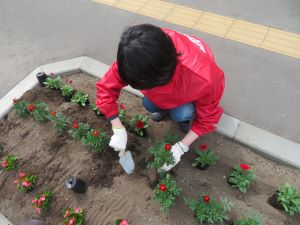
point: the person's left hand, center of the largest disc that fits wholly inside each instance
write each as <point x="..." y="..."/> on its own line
<point x="177" y="150"/>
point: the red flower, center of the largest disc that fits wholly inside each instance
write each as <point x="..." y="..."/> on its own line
<point x="206" y="198"/>
<point x="31" y="107"/>
<point x="53" y="113"/>
<point x="17" y="181"/>
<point x="34" y="201"/>
<point x="163" y="187"/>
<point x="43" y="198"/>
<point x="21" y="175"/>
<point x="245" y="167"/>
<point x="95" y="133"/>
<point x="75" y="125"/>
<point x="37" y="210"/>
<point x="72" y="221"/>
<point x="15" y="101"/>
<point x="70" y="81"/>
<point x="67" y="213"/>
<point x="203" y="148"/>
<point x="168" y="147"/>
<point x="26" y="183"/>
<point x="39" y="202"/>
<point x="122" y="106"/>
<point x="4" y="163"/>
<point x="77" y="210"/>
<point x="139" y="124"/>
<point x="124" y="222"/>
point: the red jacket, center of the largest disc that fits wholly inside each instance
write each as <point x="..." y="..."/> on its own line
<point x="197" y="79"/>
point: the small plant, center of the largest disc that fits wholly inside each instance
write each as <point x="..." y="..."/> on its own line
<point x="166" y="192"/>
<point x="162" y="154"/>
<point x="21" y="107"/>
<point x="79" y="130"/>
<point x="73" y="216"/>
<point x="80" y="98"/>
<point x="9" y="163"/>
<point x="139" y="123"/>
<point x="41" y="203"/>
<point x="67" y="90"/>
<point x="241" y="177"/>
<point x="171" y="138"/>
<point x="26" y="182"/>
<point x="206" y="157"/>
<point x="289" y="198"/>
<point x="96" y="110"/>
<point x="207" y="210"/>
<point x="53" y="83"/>
<point x="250" y="219"/>
<point x="60" y="122"/>
<point x="121" y="222"/>
<point x="39" y="111"/>
<point x="97" y="140"/>
<point x="122" y="112"/>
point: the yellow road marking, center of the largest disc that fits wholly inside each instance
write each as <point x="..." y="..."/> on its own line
<point x="275" y="40"/>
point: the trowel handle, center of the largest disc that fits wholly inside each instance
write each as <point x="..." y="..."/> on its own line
<point x="121" y="153"/>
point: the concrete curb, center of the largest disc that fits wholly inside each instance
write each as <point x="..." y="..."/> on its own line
<point x="260" y="140"/>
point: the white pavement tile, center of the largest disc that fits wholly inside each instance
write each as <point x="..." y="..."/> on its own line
<point x="61" y="67"/>
<point x="4" y="221"/>
<point x="26" y="84"/>
<point x="228" y="125"/>
<point x="93" y="67"/>
<point x="269" y="144"/>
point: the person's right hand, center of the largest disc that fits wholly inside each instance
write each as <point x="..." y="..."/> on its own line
<point x="119" y="140"/>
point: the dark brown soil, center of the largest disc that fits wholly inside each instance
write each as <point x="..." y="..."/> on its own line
<point x="273" y="202"/>
<point x="111" y="194"/>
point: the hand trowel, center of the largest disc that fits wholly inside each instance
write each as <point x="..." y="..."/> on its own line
<point x="126" y="161"/>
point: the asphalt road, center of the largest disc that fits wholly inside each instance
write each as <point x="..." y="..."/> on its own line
<point x="262" y="87"/>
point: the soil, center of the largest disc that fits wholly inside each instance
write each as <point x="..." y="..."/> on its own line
<point x="111" y="194"/>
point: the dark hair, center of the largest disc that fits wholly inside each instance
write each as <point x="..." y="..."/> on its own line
<point x="146" y="57"/>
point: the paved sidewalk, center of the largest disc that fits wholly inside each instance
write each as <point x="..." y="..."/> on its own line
<point x="262" y="87"/>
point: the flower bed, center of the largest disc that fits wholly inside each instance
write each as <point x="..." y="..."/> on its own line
<point x="53" y="154"/>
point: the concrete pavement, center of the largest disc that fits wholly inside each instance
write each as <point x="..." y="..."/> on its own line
<point x="262" y="87"/>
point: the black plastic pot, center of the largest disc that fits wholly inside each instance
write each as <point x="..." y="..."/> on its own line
<point x="273" y="201"/>
<point x="200" y="167"/>
<point x="67" y="98"/>
<point x="41" y="76"/>
<point x="75" y="184"/>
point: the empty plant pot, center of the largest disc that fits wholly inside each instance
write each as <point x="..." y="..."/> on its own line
<point x="75" y="184"/>
<point x="41" y="76"/>
<point x="272" y="200"/>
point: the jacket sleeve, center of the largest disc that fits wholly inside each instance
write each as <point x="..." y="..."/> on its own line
<point x="108" y="91"/>
<point x="207" y="109"/>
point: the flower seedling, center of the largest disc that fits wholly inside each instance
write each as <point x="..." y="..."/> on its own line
<point x="241" y="177"/>
<point x="96" y="109"/>
<point x="250" y="219"/>
<point x="80" y="98"/>
<point x="206" y="157"/>
<point x="139" y="123"/>
<point x="96" y="139"/>
<point x="207" y="210"/>
<point x="289" y="198"/>
<point x="79" y="130"/>
<point x="25" y="181"/>
<point x="122" y="112"/>
<point x="39" y="111"/>
<point x="121" y="222"/>
<point x="60" y="122"/>
<point x="73" y="216"/>
<point x="162" y="154"/>
<point x="21" y="107"/>
<point x="41" y="203"/>
<point x="171" y="138"/>
<point x="9" y="163"/>
<point x="53" y="83"/>
<point x="67" y="91"/>
<point x="166" y="192"/>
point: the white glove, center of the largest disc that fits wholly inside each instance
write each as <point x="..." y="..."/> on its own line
<point x="177" y="150"/>
<point x="119" y="140"/>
